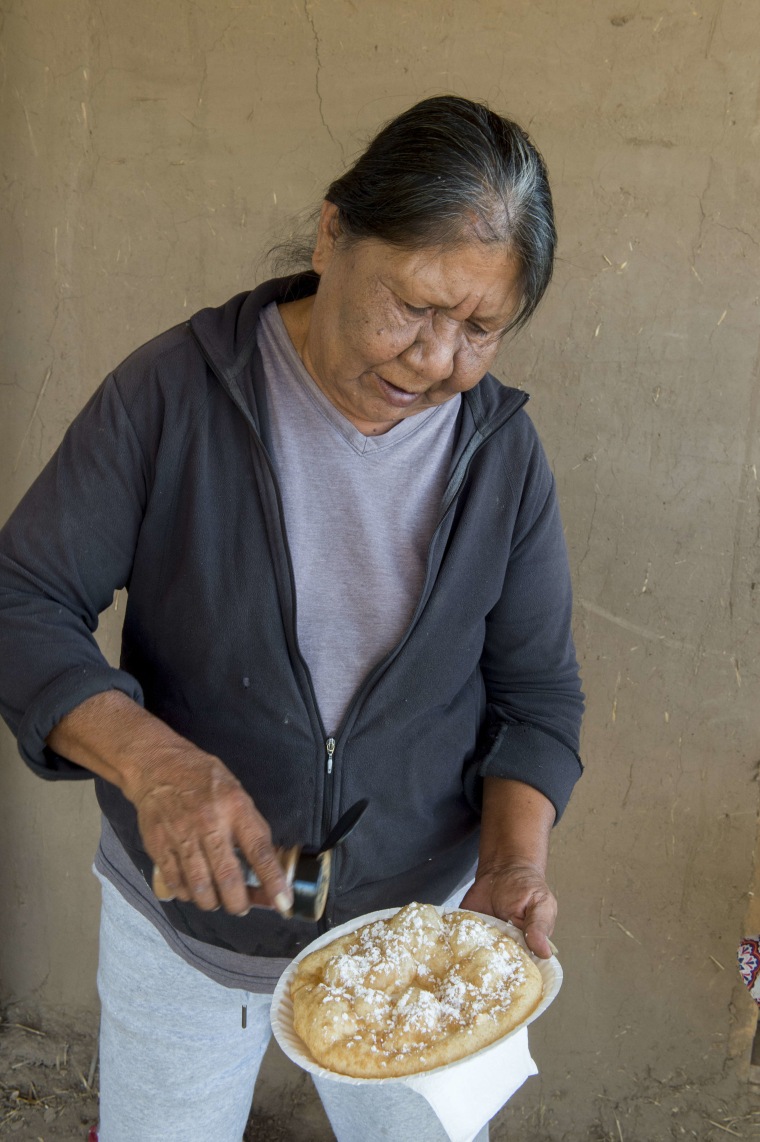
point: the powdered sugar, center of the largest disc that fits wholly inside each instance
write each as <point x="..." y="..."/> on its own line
<point x="417" y="978"/>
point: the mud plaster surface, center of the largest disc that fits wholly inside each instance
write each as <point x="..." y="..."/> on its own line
<point x="151" y="152"/>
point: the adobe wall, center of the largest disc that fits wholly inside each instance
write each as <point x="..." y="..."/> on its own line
<point x="152" y="152"/>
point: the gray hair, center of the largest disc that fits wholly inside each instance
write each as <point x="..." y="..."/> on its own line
<point x="449" y="171"/>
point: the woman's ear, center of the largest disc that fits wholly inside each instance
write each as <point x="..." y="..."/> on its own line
<point x="328" y="230"/>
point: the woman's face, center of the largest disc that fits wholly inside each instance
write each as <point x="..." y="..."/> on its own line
<point x="391" y="332"/>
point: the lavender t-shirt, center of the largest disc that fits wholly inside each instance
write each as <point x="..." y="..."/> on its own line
<point x="359" y="513"/>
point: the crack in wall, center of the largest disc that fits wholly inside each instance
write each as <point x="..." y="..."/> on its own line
<point x="35" y="410"/>
<point x="713" y="26"/>
<point x="704" y="218"/>
<point x="317" y="88"/>
<point x="636" y="628"/>
<point x="737" y="580"/>
<point x="206" y="52"/>
<point x="737" y="230"/>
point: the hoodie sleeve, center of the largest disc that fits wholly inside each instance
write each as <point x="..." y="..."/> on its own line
<point x="535" y="703"/>
<point x="64" y="551"/>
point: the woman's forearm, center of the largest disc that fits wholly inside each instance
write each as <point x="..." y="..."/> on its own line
<point x="113" y="737"/>
<point x="516" y="824"/>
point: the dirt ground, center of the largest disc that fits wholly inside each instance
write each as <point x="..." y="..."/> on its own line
<point x="48" y="1083"/>
<point x="49" y="1093"/>
<point x="49" y="1090"/>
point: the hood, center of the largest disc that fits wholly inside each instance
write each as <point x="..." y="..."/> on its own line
<point x="227" y="333"/>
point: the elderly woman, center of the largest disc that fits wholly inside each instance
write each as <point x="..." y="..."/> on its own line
<point x="347" y="579"/>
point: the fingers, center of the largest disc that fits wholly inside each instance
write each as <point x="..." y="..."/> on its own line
<point x="185" y="876"/>
<point x="168" y="882"/>
<point x="537" y="923"/>
<point x="225" y="873"/>
<point x="198" y="876"/>
<point x="520" y="894"/>
<point x="191" y="821"/>
<point x="253" y="837"/>
<point x="537" y="939"/>
<point x="259" y="852"/>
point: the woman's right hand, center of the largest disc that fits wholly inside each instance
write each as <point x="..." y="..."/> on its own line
<point x="192" y="811"/>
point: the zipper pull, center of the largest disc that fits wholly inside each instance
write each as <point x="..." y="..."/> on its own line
<point x="330" y="743"/>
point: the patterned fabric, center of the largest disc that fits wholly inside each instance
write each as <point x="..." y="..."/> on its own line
<point x="749" y="965"/>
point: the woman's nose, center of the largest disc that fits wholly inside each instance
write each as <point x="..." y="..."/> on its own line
<point x="432" y="354"/>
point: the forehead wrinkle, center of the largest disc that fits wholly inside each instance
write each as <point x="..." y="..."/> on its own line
<point x="469" y="312"/>
<point x="433" y="278"/>
<point x="495" y="321"/>
<point x="430" y="296"/>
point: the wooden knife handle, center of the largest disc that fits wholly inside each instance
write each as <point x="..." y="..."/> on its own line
<point x="159" y="885"/>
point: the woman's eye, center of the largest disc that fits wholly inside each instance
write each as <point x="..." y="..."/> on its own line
<point x="479" y="332"/>
<point x="417" y="310"/>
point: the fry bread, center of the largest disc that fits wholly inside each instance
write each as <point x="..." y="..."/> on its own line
<point x="417" y="991"/>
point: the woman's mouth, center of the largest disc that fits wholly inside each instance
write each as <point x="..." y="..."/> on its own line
<point x="399" y="398"/>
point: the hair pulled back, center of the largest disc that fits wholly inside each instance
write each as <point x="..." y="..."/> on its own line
<point x="449" y="171"/>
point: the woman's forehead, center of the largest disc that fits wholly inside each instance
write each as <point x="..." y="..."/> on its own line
<point x="471" y="277"/>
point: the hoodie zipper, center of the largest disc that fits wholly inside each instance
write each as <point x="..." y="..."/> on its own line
<point x="327" y="800"/>
<point x="449" y="498"/>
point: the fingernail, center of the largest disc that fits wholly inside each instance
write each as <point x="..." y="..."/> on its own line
<point x="245" y="913"/>
<point x="283" y="902"/>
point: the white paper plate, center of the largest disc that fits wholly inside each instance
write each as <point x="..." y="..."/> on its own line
<point x="295" y="1048"/>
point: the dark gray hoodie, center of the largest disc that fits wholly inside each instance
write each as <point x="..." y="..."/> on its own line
<point x="163" y="484"/>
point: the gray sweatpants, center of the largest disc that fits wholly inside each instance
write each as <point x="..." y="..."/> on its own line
<point x="176" y="1065"/>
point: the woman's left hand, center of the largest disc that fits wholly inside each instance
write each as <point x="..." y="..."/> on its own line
<point x="516" y="892"/>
